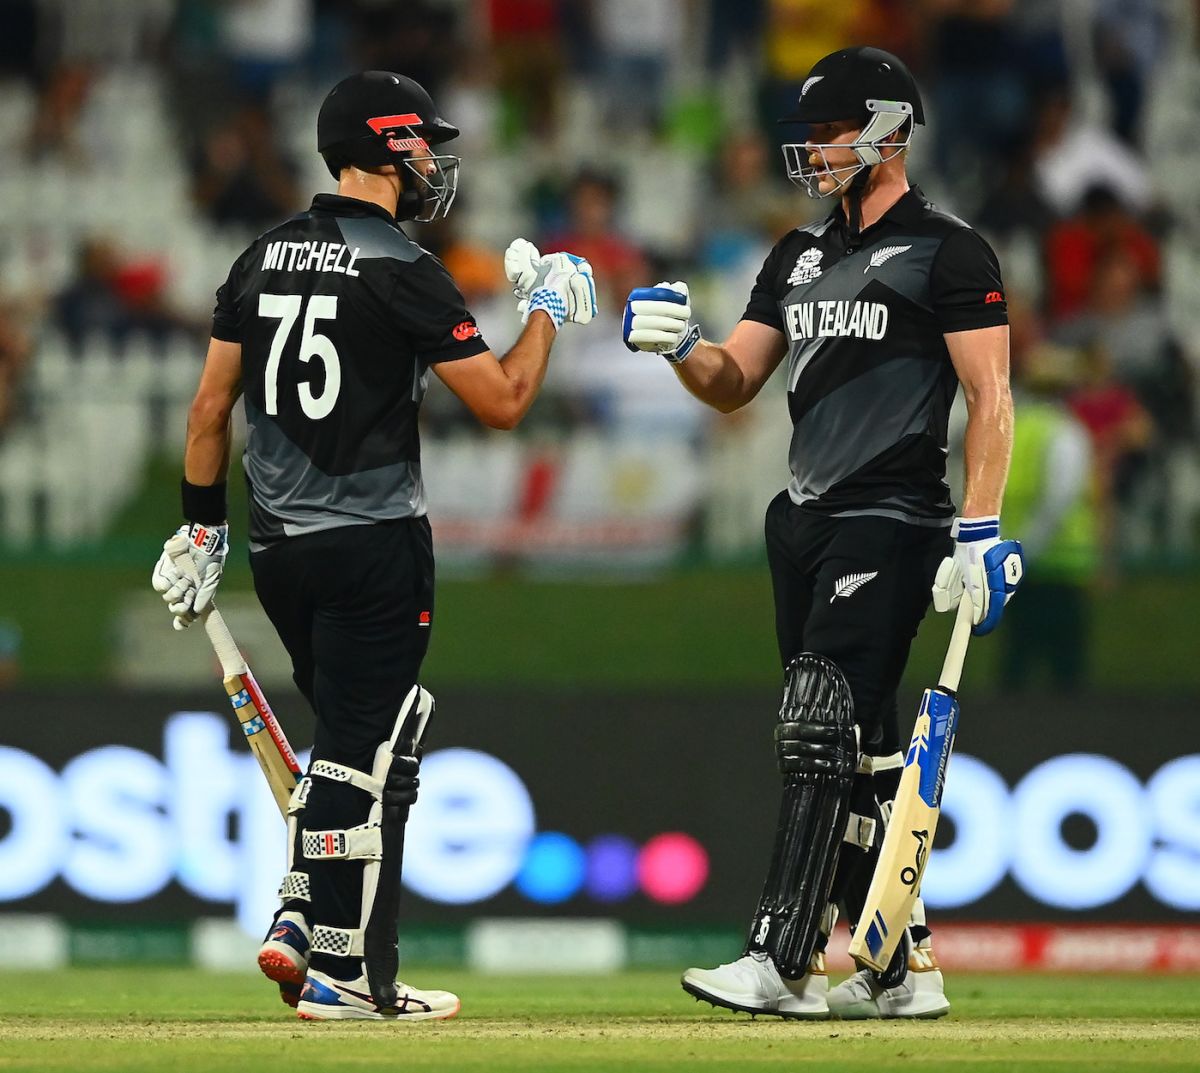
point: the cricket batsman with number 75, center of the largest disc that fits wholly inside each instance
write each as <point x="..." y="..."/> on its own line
<point x="881" y="310"/>
<point x="328" y="327"/>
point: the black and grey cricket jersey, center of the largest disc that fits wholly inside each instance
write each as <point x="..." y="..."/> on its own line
<point x="339" y="315"/>
<point x="869" y="378"/>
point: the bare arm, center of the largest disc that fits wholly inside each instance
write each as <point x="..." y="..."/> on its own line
<point x="980" y="359"/>
<point x="729" y="376"/>
<point x="499" y="391"/>
<point x="206" y="459"/>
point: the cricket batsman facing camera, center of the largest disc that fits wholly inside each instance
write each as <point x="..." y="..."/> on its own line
<point x="881" y="310"/>
<point x="328" y="326"/>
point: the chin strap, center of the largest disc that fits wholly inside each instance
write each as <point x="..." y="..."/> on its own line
<point x="854" y="192"/>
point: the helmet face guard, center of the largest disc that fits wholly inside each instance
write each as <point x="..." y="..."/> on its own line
<point x="884" y="119"/>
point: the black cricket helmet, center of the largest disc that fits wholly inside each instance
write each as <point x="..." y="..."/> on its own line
<point x="862" y="84"/>
<point x="378" y="118"/>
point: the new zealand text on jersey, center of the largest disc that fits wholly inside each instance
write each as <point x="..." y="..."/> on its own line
<point x="310" y="257"/>
<point x="836" y="318"/>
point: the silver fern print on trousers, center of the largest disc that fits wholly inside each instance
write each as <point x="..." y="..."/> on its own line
<point x="885" y="254"/>
<point x="851" y="583"/>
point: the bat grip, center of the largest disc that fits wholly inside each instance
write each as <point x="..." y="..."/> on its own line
<point x="956" y="653"/>
<point x="232" y="663"/>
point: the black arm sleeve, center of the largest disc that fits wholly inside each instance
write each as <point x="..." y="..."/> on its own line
<point x="965" y="284"/>
<point x="433" y="314"/>
<point x="764" y="297"/>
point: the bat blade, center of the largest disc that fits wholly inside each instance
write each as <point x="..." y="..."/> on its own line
<point x="910" y="833"/>
<point x="265" y="736"/>
<point x="915" y="812"/>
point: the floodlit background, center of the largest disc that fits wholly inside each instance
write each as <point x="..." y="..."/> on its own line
<point x="604" y="659"/>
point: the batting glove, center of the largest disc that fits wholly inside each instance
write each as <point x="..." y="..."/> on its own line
<point x="188" y="592"/>
<point x="983" y="566"/>
<point x="559" y="284"/>
<point x="656" y="319"/>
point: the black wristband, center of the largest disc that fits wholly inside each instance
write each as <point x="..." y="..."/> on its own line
<point x="204" y="503"/>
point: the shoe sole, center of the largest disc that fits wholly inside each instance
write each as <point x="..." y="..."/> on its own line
<point x="276" y="965"/>
<point x="701" y="995"/>
<point x="870" y="1013"/>
<point x="312" y="1011"/>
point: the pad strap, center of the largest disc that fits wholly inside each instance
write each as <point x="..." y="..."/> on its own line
<point x="295" y="886"/>
<point x="341" y="942"/>
<point x="299" y="797"/>
<point x="353" y="843"/>
<point x="327" y="769"/>
<point x="860" y="831"/>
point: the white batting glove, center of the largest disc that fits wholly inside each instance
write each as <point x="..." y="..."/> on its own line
<point x="983" y="567"/>
<point x="187" y="596"/>
<point x="564" y="274"/>
<point x="521" y="264"/>
<point x="657" y="320"/>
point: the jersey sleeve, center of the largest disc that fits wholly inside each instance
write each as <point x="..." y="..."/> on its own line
<point x="226" y="322"/>
<point x="764" y="297"/>
<point x="965" y="284"/>
<point x="433" y="313"/>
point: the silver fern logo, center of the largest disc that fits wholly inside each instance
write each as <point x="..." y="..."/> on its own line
<point x="851" y="583"/>
<point x="885" y="254"/>
<point x="807" y="268"/>
<point x="808" y="84"/>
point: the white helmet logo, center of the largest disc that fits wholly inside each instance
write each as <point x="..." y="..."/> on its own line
<point x="809" y="83"/>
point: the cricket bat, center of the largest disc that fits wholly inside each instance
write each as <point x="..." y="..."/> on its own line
<point x="263" y="733"/>
<point x="909" y="839"/>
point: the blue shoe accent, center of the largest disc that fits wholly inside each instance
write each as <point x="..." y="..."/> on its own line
<point x="289" y="934"/>
<point x="316" y="991"/>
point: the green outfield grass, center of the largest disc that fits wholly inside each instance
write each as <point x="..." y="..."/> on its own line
<point x="177" y="1021"/>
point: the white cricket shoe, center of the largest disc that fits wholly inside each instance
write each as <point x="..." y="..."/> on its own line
<point x="327" y="999"/>
<point x="922" y="995"/>
<point x="753" y="985"/>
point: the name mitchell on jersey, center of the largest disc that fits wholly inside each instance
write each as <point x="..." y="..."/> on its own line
<point x="310" y="257"/>
<point x="834" y="318"/>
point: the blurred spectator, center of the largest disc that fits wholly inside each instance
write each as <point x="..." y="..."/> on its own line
<point x="1103" y="228"/>
<point x="1121" y="432"/>
<point x="56" y="122"/>
<point x="264" y="40"/>
<point x="1072" y="156"/>
<point x="1014" y="205"/>
<point x="529" y="61"/>
<point x="752" y="200"/>
<point x="1131" y="36"/>
<point x="114" y="299"/>
<point x="1132" y="326"/>
<point x="14" y="357"/>
<point x="639" y="43"/>
<point x="591" y="232"/>
<point x="418" y="38"/>
<point x="1051" y="500"/>
<point x="798" y="33"/>
<point x="21" y="32"/>
<point x="242" y="177"/>
<point x="977" y="93"/>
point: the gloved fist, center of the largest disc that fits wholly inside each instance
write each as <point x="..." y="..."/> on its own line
<point x="656" y="319"/>
<point x="189" y="570"/>
<point x="983" y="566"/>
<point x="560" y="284"/>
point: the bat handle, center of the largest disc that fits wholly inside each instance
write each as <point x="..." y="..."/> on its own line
<point x="232" y="663"/>
<point x="956" y="653"/>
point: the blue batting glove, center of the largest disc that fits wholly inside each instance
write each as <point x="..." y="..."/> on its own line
<point x="983" y="567"/>
<point x="656" y="320"/>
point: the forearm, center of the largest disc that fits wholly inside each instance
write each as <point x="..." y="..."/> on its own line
<point x="711" y="374"/>
<point x="524" y="368"/>
<point x="206" y="457"/>
<point x="987" y="449"/>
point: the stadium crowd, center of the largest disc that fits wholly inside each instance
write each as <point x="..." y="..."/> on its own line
<point x="642" y="135"/>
